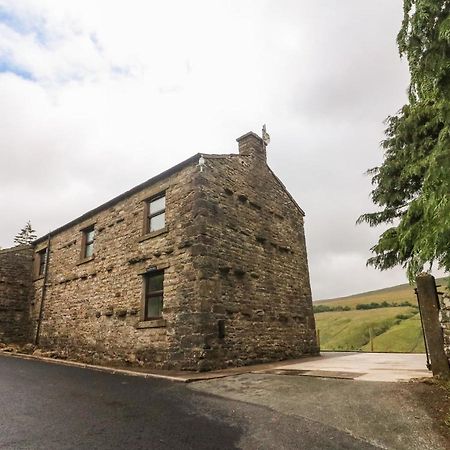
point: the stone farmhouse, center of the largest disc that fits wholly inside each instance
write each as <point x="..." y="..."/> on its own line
<point x="202" y="267"/>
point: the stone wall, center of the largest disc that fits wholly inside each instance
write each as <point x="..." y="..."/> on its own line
<point x="255" y="287"/>
<point x="93" y="309"/>
<point x="15" y="290"/>
<point x="444" y="317"/>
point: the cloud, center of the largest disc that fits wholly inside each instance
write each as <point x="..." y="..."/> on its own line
<point x="96" y="97"/>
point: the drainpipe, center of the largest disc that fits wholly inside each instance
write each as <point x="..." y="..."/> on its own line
<point x="44" y="289"/>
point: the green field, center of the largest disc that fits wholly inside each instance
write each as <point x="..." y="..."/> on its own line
<point x="405" y="337"/>
<point x="393" y="329"/>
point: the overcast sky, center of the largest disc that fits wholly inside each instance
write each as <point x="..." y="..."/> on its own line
<point x="98" y="96"/>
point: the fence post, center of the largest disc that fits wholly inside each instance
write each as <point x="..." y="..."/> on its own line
<point x="371" y="339"/>
<point x="429" y="306"/>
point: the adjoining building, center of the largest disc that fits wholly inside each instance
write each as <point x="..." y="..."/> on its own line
<point x="201" y="267"/>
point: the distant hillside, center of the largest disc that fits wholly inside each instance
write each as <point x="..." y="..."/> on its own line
<point x="390" y="315"/>
<point x="394" y="294"/>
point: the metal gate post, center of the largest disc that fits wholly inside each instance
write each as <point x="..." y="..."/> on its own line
<point x="423" y="331"/>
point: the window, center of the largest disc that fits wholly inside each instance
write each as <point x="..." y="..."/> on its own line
<point x="155" y="214"/>
<point x="87" y="243"/>
<point x="41" y="257"/>
<point x="153" y="291"/>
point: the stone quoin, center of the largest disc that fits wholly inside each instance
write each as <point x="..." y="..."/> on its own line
<point x="202" y="267"/>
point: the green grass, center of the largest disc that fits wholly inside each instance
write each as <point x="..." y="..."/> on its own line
<point x="349" y="330"/>
<point x="395" y="329"/>
<point x="404" y="337"/>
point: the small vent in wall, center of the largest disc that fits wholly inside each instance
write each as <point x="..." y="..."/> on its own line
<point x="221" y="328"/>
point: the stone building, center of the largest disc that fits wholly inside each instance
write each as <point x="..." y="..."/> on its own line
<point x="201" y="267"/>
<point x="16" y="286"/>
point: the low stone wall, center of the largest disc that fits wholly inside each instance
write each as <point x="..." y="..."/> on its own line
<point x="15" y="291"/>
<point x="444" y="317"/>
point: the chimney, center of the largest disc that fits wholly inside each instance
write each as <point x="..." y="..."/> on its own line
<point x="250" y="144"/>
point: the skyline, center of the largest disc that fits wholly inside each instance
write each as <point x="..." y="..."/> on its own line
<point x="96" y="98"/>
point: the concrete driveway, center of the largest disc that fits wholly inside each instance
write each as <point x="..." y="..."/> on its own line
<point x="360" y="366"/>
<point x="394" y="416"/>
<point x="374" y="408"/>
<point x="389" y="367"/>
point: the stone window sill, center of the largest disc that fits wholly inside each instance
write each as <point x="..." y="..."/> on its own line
<point x="85" y="260"/>
<point x="153" y="234"/>
<point x="155" y="323"/>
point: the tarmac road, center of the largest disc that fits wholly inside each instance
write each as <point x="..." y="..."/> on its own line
<point x="47" y="406"/>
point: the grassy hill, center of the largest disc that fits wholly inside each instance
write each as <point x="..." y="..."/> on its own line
<point x="400" y="293"/>
<point x="406" y="337"/>
<point x="394" y="294"/>
<point x="394" y="329"/>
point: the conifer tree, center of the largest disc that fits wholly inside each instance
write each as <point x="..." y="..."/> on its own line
<point x="412" y="186"/>
<point x="26" y="235"/>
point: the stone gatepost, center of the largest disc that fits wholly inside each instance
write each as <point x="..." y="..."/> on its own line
<point x="429" y="307"/>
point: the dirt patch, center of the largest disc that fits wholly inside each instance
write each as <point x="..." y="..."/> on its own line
<point x="434" y="395"/>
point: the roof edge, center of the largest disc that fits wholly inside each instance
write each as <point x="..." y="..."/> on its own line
<point x="16" y="248"/>
<point x="224" y="156"/>
<point x="287" y="192"/>
<point x="120" y="197"/>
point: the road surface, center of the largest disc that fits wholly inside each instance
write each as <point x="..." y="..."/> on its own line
<point x="48" y="406"/>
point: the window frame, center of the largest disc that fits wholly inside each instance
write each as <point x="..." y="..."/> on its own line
<point x="148" y="295"/>
<point x="85" y="243"/>
<point x="148" y="216"/>
<point x="41" y="259"/>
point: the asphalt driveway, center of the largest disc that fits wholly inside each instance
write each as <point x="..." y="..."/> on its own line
<point x="50" y="406"/>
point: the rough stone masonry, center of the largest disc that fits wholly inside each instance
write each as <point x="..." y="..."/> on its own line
<point x="15" y="294"/>
<point x="201" y="267"/>
<point x="444" y="318"/>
